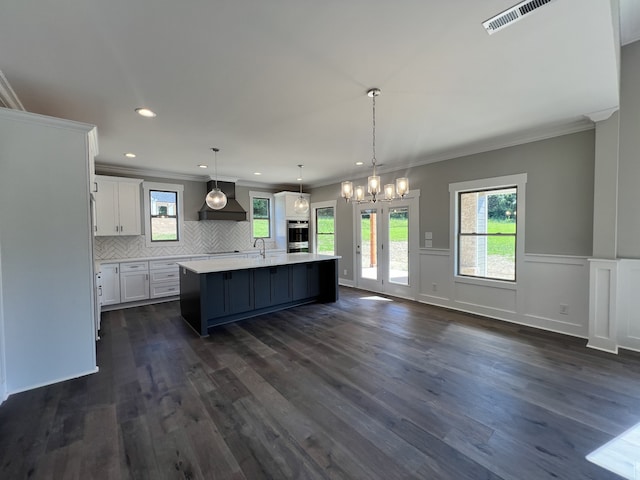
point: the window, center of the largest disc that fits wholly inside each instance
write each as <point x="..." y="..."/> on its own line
<point x="325" y="229"/>
<point x="163" y="214"/>
<point x="261" y="214"/>
<point x="488" y="233"/>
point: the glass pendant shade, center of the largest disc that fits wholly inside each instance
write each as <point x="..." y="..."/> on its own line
<point x="389" y="191"/>
<point x="374" y="184"/>
<point x="359" y="193"/>
<point x="402" y="186"/>
<point x="347" y="190"/>
<point x="216" y="199"/>
<point x="301" y="205"/>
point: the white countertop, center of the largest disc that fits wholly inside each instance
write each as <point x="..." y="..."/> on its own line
<point x="227" y="264"/>
<point x="186" y="256"/>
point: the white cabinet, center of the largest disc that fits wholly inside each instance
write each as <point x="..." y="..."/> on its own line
<point x="134" y="281"/>
<point x="117" y="206"/>
<point x="165" y="278"/>
<point x="110" y="283"/>
<point x="284" y="206"/>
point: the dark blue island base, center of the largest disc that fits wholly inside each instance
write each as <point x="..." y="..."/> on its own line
<point x="216" y="298"/>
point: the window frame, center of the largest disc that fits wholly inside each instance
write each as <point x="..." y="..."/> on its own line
<point x="517" y="181"/>
<point x="269" y="196"/>
<point x="314" y="227"/>
<point x="147" y="187"/>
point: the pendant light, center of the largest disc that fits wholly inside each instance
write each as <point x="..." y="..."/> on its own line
<point x="216" y="199"/>
<point x="391" y="191"/>
<point x="301" y="205"/>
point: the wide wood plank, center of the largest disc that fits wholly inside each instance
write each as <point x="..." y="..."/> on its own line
<point x="357" y="389"/>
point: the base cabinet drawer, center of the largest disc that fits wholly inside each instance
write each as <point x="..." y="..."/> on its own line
<point x="172" y="275"/>
<point x="165" y="290"/>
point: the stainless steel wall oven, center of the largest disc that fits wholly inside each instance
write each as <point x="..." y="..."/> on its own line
<point x="297" y="236"/>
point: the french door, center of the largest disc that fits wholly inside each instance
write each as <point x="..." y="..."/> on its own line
<point x="386" y="247"/>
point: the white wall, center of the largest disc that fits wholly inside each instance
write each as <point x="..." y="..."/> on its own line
<point x="46" y="250"/>
<point x="3" y="376"/>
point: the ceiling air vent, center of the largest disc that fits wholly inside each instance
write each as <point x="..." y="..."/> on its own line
<point x="513" y="14"/>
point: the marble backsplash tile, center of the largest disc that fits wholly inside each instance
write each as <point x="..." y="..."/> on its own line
<point x="199" y="237"/>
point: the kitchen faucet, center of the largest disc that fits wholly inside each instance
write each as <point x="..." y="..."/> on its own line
<point x="262" y="251"/>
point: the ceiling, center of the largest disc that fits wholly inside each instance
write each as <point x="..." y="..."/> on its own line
<point x="281" y="83"/>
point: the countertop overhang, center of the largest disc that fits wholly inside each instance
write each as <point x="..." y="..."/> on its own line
<point x="229" y="264"/>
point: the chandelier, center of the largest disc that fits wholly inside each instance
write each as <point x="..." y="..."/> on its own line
<point x="391" y="191"/>
<point x="301" y="205"/>
<point x="216" y="199"/>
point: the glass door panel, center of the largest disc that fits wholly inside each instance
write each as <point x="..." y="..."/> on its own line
<point x="369" y="244"/>
<point x="398" y="232"/>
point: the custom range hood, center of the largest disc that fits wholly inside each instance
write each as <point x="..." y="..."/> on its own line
<point x="231" y="211"/>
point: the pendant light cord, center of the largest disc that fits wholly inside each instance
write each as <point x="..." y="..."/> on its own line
<point x="215" y="162"/>
<point x="373" y="160"/>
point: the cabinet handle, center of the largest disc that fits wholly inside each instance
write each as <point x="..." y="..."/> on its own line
<point x="117" y="228"/>
<point x="172" y="275"/>
<point x="147" y="276"/>
<point x="116" y="269"/>
<point x="100" y="291"/>
<point x="96" y="184"/>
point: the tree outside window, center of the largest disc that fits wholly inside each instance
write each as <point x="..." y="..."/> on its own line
<point x="261" y="217"/>
<point x="325" y="231"/>
<point x="487" y="232"/>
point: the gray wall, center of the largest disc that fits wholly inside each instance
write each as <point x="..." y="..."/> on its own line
<point x="628" y="191"/>
<point x="559" y="194"/>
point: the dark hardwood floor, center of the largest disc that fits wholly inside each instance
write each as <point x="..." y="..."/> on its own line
<point x="360" y="389"/>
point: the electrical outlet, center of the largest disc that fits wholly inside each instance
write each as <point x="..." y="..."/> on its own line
<point x="428" y="244"/>
<point x="428" y="235"/>
<point x="344" y="272"/>
<point x="434" y="287"/>
<point x="564" y="309"/>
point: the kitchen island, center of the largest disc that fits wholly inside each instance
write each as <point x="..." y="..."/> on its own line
<point x="218" y="291"/>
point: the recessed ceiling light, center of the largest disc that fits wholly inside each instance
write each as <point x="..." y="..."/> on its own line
<point x="145" y="112"/>
<point x="203" y="166"/>
<point x="359" y="163"/>
<point x="130" y="155"/>
<point x="299" y="179"/>
<point x="257" y="173"/>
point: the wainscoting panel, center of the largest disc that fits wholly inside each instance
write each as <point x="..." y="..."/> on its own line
<point x="435" y="284"/>
<point x="629" y="304"/>
<point x="555" y="293"/>
<point x="552" y="292"/>
<point x="471" y="297"/>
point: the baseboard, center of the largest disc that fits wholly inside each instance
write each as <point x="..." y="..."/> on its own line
<point x="346" y="283"/>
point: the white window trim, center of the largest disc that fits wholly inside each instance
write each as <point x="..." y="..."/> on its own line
<point x="272" y="226"/>
<point x="170" y="187"/>
<point x="518" y="180"/>
<point x="312" y="227"/>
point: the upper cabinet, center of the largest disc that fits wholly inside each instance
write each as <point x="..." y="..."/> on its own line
<point x="117" y="206"/>
<point x="285" y="206"/>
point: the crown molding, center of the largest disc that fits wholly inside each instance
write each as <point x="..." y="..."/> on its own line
<point x="8" y="97"/>
<point x="601" y="115"/>
<point x="496" y="143"/>
<point x="116" y="170"/>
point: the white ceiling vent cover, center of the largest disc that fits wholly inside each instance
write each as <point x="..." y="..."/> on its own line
<point x="512" y="15"/>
